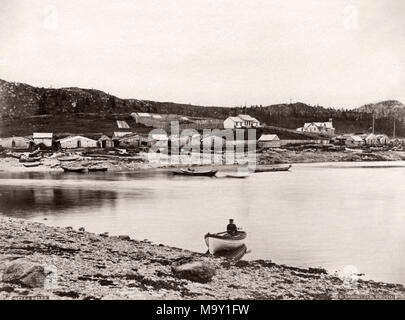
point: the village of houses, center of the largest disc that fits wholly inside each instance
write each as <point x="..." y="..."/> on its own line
<point x="126" y="149"/>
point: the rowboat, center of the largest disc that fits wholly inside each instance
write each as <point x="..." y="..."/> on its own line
<point x="236" y="176"/>
<point x="235" y="254"/>
<point x="190" y="172"/>
<point x="223" y="241"/>
<point x="35" y="159"/>
<point x="92" y="169"/>
<point x="272" y="169"/>
<point x="73" y="169"/>
<point x="71" y="158"/>
<point x="31" y="164"/>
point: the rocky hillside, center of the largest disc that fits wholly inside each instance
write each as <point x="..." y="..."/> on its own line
<point x="19" y="102"/>
<point x="385" y="109"/>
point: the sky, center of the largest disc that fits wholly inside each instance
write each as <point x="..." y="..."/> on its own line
<point x="334" y="53"/>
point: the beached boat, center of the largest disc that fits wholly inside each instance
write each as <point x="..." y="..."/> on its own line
<point x="93" y="169"/>
<point x="236" y="176"/>
<point x="191" y="172"/>
<point x="34" y="159"/>
<point x="235" y="254"/>
<point x="70" y="158"/>
<point x="272" y="169"/>
<point x="223" y="241"/>
<point x="31" y="164"/>
<point x="73" y="169"/>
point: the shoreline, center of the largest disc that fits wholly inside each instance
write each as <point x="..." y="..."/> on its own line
<point x="91" y="266"/>
<point x="269" y="157"/>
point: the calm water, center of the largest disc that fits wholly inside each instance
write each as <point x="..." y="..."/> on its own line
<point x="328" y="215"/>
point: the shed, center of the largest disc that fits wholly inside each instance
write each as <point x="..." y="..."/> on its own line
<point x="43" y="137"/>
<point x="269" y="141"/>
<point x="371" y="139"/>
<point x="15" y="143"/>
<point x="77" y="142"/>
<point x="105" y="142"/>
<point x="383" y="139"/>
<point x="130" y="141"/>
<point x="354" y="141"/>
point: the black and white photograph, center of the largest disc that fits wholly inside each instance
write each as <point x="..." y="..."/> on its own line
<point x="200" y="150"/>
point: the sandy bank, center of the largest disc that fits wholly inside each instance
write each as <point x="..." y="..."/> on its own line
<point x="91" y="266"/>
<point x="268" y="157"/>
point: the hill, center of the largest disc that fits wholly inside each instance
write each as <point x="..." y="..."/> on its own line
<point x="382" y="109"/>
<point x="24" y="108"/>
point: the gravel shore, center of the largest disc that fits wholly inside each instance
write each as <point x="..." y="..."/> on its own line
<point x="90" y="266"/>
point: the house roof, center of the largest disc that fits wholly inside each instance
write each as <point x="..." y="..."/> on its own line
<point x="122" y="124"/>
<point x="327" y="125"/>
<point x="356" y="138"/>
<point x="121" y="134"/>
<point x="42" y="135"/>
<point x="269" y="137"/>
<point x="142" y="114"/>
<point x="156" y="136"/>
<point x="246" y="117"/>
<point x="235" y="119"/>
<point x="104" y="137"/>
<point x="75" y="137"/>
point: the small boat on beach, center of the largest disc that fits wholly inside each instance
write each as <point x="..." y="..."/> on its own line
<point x="192" y="172"/>
<point x="236" y="176"/>
<point x="272" y="169"/>
<point x="31" y="164"/>
<point x="223" y="241"/>
<point x="69" y="158"/>
<point x="73" y="169"/>
<point x="235" y="254"/>
<point x="95" y="169"/>
<point x="25" y="159"/>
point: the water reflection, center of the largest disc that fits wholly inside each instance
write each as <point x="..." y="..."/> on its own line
<point x="23" y="202"/>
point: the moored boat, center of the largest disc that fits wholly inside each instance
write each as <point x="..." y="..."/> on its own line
<point x="93" y="169"/>
<point x="73" y="169"/>
<point x="236" y="176"/>
<point x="69" y="158"/>
<point x="223" y="241"/>
<point x="191" y="172"/>
<point x="31" y="164"/>
<point x="272" y="169"/>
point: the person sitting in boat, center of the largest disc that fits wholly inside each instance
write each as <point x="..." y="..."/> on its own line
<point x="231" y="228"/>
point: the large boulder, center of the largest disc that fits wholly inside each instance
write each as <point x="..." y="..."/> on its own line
<point x="25" y="273"/>
<point x="197" y="271"/>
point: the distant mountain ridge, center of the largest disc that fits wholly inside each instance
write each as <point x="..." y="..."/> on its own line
<point x="22" y="101"/>
<point x="384" y="109"/>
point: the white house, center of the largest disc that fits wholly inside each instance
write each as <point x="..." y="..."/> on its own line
<point x="233" y="123"/>
<point x="248" y="121"/>
<point x="269" y="141"/>
<point x="43" y="137"/>
<point x="77" y="142"/>
<point x="241" y="121"/>
<point x="325" y="128"/>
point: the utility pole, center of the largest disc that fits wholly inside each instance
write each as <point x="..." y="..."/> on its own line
<point x="373" y="121"/>
<point x="394" y="128"/>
